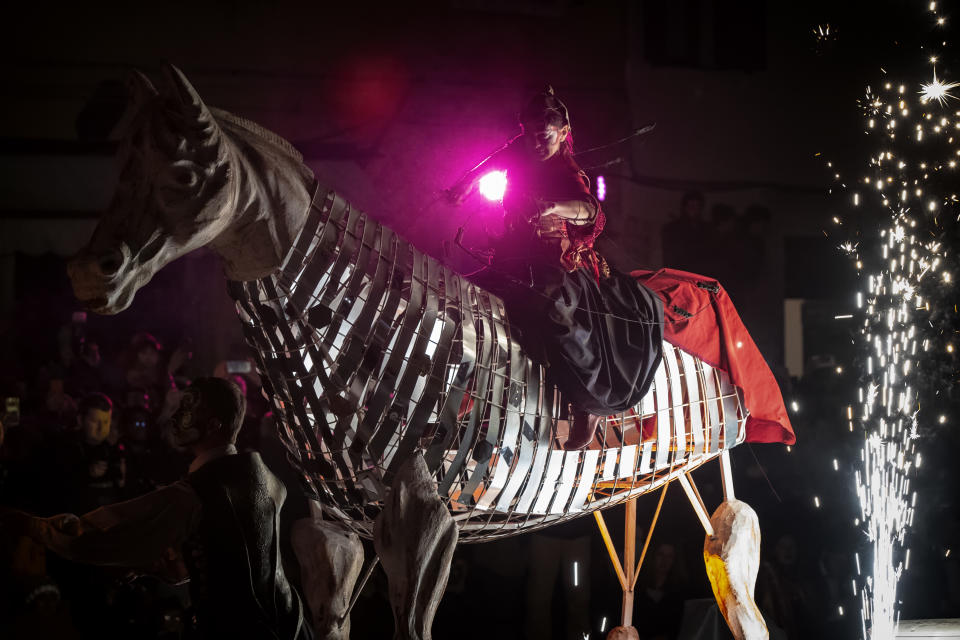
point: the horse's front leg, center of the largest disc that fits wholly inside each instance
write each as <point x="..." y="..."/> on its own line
<point x="330" y="561"/>
<point x="415" y="537"/>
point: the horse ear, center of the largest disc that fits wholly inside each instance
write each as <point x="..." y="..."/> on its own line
<point x="140" y="87"/>
<point x="140" y="92"/>
<point x="191" y="119"/>
<point x="182" y="94"/>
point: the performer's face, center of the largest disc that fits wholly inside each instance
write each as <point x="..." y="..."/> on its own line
<point x="544" y="140"/>
<point x="188" y="421"/>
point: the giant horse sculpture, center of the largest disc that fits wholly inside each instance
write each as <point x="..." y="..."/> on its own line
<point x="414" y="415"/>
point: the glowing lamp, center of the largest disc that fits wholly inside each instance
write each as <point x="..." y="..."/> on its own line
<point x="601" y="188"/>
<point x="493" y="185"/>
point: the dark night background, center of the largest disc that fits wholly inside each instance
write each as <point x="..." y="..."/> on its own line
<point x="390" y="104"/>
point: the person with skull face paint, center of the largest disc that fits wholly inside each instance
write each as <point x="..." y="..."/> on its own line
<point x="220" y="526"/>
<point x="598" y="330"/>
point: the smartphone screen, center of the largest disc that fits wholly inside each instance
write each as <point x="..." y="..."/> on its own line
<point x="238" y="366"/>
<point x="11" y="411"/>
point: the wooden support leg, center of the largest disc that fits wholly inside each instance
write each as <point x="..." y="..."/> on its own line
<point x="330" y="561"/>
<point x="629" y="552"/>
<point x="628" y="577"/>
<point x="415" y="537"/>
<point x="626" y="571"/>
<point x="732" y="556"/>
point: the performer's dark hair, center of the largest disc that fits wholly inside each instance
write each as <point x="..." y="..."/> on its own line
<point x="225" y="401"/>
<point x="94" y="401"/>
<point x="546" y="107"/>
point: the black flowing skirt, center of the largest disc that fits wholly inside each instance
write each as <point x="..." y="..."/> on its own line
<point x="602" y="342"/>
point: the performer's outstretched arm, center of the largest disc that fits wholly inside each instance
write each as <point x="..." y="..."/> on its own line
<point x="573" y="201"/>
<point x="573" y="211"/>
<point x="135" y="533"/>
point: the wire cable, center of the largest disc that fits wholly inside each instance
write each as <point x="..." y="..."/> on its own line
<point x="647" y="128"/>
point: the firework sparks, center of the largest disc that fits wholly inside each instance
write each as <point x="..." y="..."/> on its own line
<point x="824" y="37"/>
<point x="903" y="269"/>
<point x="824" y="33"/>
<point x="900" y="270"/>
<point x="937" y="90"/>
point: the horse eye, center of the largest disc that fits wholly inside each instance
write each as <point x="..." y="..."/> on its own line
<point x="185" y="177"/>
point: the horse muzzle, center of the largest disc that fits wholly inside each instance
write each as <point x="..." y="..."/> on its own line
<point x="103" y="282"/>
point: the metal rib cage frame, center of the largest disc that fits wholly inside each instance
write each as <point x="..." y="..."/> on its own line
<point x="372" y="351"/>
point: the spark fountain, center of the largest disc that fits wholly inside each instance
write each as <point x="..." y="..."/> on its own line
<point x="906" y="195"/>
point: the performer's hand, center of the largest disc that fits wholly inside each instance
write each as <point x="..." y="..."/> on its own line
<point x="530" y="210"/>
<point x="68" y="523"/>
<point x="550" y="225"/>
<point x="456" y="194"/>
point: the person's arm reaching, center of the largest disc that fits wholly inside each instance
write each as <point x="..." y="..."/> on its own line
<point x="572" y="201"/>
<point x="135" y="533"/>
<point x="573" y="211"/>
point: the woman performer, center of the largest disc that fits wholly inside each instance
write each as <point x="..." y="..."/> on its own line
<point x="598" y="331"/>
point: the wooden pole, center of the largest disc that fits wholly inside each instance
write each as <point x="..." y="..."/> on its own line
<point x="629" y="552"/>
<point x="614" y="559"/>
<point x="646" y="542"/>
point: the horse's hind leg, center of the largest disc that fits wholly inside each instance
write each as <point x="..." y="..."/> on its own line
<point x="330" y="561"/>
<point x="415" y="537"/>
<point x="732" y="556"/>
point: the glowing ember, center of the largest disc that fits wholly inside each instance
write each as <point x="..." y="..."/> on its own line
<point x="493" y="185"/>
<point x="601" y="188"/>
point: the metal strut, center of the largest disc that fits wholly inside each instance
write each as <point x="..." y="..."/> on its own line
<point x="696" y="501"/>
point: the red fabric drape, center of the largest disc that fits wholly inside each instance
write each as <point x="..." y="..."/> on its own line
<point x="699" y="317"/>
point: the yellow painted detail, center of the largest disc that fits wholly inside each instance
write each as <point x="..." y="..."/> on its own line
<point x="719" y="580"/>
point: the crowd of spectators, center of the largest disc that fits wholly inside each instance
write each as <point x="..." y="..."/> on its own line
<point x="86" y="429"/>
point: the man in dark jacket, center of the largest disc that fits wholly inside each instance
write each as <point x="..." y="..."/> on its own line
<point x="222" y="520"/>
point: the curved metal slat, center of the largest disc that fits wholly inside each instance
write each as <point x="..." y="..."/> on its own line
<point x="675" y="388"/>
<point x="481" y="332"/>
<point x="509" y="400"/>
<point x="691" y="380"/>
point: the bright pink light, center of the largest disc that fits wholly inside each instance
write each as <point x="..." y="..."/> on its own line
<point x="601" y="188"/>
<point x="493" y="185"/>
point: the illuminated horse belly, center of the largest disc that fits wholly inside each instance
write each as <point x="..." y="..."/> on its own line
<point x="376" y="351"/>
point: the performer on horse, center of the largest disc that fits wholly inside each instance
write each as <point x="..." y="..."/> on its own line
<point x="597" y="330"/>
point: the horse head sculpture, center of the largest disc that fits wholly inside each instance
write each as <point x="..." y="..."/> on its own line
<point x="183" y="185"/>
